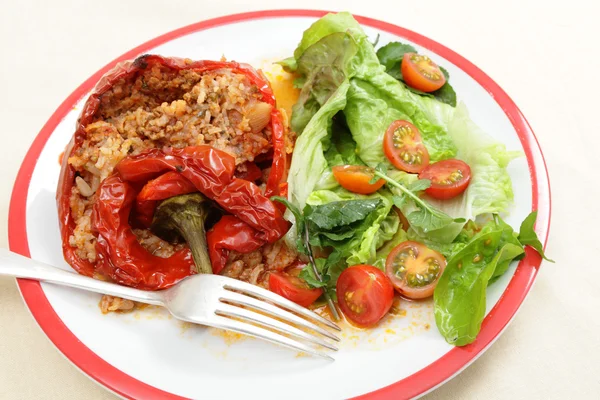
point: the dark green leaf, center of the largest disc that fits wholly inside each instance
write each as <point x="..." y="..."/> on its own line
<point x="528" y="237"/>
<point x="446" y="94"/>
<point x="392" y="53"/>
<point x="339" y="213"/>
<point x="396" y="72"/>
<point x="446" y="74"/>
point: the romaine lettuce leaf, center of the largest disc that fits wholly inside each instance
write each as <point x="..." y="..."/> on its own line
<point x="308" y="162"/>
<point x="324" y="66"/>
<point x="490" y="190"/>
<point x="330" y="23"/>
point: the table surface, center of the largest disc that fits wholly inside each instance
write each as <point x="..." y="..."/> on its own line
<point x="544" y="54"/>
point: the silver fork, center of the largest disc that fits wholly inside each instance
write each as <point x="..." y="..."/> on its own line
<point x="210" y="300"/>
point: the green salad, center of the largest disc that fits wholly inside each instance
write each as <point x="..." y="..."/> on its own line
<point x="392" y="187"/>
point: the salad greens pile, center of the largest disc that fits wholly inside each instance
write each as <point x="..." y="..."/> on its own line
<point x="350" y="94"/>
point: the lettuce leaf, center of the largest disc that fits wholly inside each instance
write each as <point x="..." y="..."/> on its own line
<point x="325" y="66"/>
<point x="308" y="162"/>
<point x="330" y="23"/>
<point x="490" y="190"/>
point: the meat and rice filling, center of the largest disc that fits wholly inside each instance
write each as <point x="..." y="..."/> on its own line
<point x="160" y="108"/>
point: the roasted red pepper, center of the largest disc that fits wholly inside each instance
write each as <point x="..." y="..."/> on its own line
<point x="165" y="186"/>
<point x="230" y="233"/>
<point x="211" y="172"/>
<point x="128" y="275"/>
<point x="119" y="254"/>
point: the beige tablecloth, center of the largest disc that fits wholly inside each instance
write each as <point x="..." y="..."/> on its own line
<point x="544" y="54"/>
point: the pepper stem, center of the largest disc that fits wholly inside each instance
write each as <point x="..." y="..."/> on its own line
<point x="185" y="216"/>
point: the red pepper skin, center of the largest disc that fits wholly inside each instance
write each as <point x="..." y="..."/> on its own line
<point x="119" y="254"/>
<point x="245" y="200"/>
<point x="129" y="69"/>
<point x="211" y="171"/>
<point x="279" y="166"/>
<point x="165" y="186"/>
<point x="230" y="233"/>
<point x="201" y="168"/>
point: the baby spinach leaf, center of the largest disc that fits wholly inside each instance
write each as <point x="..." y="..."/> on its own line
<point x="528" y="237"/>
<point x="460" y="295"/>
<point x="392" y="53"/>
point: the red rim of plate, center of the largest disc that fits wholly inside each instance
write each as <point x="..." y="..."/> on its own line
<point x="416" y="384"/>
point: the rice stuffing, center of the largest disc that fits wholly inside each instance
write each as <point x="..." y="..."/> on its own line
<point x="163" y="108"/>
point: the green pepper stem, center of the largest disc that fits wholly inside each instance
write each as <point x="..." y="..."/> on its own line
<point x="191" y="228"/>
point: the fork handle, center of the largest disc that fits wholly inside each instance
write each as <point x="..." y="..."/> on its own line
<point x="13" y="264"/>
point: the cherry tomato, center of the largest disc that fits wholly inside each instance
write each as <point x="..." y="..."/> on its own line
<point x="293" y="288"/>
<point x="402" y="145"/>
<point x="364" y="294"/>
<point x="449" y="178"/>
<point x="355" y="178"/>
<point x="414" y="269"/>
<point x="420" y="73"/>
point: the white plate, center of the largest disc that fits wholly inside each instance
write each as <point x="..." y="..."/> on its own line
<point x="147" y="354"/>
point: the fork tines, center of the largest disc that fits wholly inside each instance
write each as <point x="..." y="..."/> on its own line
<point x="254" y="311"/>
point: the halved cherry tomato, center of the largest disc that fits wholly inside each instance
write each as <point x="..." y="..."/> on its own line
<point x="364" y="294"/>
<point x="402" y="145"/>
<point x="293" y="288"/>
<point x="449" y="178"/>
<point x="421" y="73"/>
<point x="414" y="269"/>
<point x="355" y="178"/>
